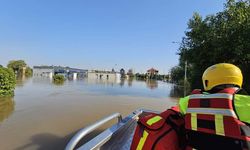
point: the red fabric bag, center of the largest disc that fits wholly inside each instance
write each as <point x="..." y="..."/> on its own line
<point x="163" y="131"/>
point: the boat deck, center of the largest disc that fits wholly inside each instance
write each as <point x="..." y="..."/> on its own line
<point x="122" y="139"/>
<point x="119" y="136"/>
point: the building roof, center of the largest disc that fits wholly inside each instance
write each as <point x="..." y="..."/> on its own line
<point x="101" y="71"/>
<point x="152" y="70"/>
<point x="43" y="67"/>
<point x="60" y="68"/>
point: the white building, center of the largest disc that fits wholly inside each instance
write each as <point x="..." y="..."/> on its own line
<point x="43" y="71"/>
<point x="104" y="75"/>
<point x="67" y="72"/>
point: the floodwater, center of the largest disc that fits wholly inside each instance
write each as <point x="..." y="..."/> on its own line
<point x="45" y="116"/>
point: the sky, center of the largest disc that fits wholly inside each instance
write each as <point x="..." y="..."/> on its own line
<point x="98" y="34"/>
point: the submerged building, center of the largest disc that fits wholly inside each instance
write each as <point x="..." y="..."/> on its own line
<point x="151" y="73"/>
<point x="49" y="71"/>
<point x="104" y="75"/>
<point x="43" y="71"/>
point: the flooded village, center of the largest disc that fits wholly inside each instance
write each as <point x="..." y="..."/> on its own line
<point x="112" y="75"/>
<point x="38" y="115"/>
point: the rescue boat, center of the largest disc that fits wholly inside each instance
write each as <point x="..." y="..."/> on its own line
<point x="166" y="129"/>
<point x="118" y="136"/>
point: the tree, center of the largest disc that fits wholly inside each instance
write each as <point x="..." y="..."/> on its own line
<point x="141" y="76"/>
<point x="7" y="82"/>
<point x="218" y="38"/>
<point x="130" y="73"/>
<point x="28" y="72"/>
<point x="16" y="65"/>
<point x="123" y="73"/>
<point x="177" y="74"/>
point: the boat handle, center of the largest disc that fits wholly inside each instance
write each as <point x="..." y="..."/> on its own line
<point x="83" y="132"/>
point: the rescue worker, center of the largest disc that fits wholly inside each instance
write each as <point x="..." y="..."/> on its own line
<point x="219" y="117"/>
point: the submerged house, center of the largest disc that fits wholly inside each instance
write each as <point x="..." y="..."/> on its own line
<point x="104" y="75"/>
<point x="43" y="71"/>
<point x="49" y="71"/>
<point x="151" y="73"/>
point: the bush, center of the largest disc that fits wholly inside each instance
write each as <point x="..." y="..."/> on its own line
<point x="28" y="72"/>
<point x="7" y="82"/>
<point x="58" y="79"/>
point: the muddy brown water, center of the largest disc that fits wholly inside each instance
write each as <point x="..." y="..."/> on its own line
<point x="44" y="116"/>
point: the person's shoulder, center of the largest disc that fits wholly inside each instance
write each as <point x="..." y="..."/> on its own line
<point x="186" y="98"/>
<point x="197" y="91"/>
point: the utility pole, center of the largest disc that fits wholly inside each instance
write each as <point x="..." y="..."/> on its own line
<point x="185" y="78"/>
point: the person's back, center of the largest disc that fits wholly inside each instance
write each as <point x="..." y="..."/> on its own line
<point x="218" y="118"/>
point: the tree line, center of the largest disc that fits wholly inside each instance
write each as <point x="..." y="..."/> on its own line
<point x="217" y="38"/>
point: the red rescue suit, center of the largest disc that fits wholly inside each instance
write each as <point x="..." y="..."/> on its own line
<point x="212" y="123"/>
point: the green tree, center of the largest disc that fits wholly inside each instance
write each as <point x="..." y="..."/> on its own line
<point x="7" y="82"/>
<point x="28" y="72"/>
<point x="130" y="73"/>
<point x="16" y="65"/>
<point x="58" y="79"/>
<point x="140" y="76"/>
<point x="177" y="75"/>
<point x="222" y="37"/>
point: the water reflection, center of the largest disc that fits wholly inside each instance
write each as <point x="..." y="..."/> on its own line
<point x="152" y="84"/>
<point x="130" y="87"/>
<point x="58" y="83"/>
<point x="7" y="106"/>
<point x="130" y="82"/>
<point x="21" y="80"/>
<point x="176" y="91"/>
<point x="101" y="81"/>
<point x="122" y="82"/>
<point x="41" y="80"/>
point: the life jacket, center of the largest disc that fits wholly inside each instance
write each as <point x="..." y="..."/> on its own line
<point x="212" y="123"/>
<point x="160" y="132"/>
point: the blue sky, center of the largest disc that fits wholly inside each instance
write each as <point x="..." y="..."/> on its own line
<point x="97" y="34"/>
